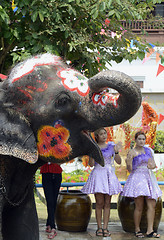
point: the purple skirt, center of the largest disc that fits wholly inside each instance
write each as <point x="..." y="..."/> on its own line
<point x="102" y="180"/>
<point x="142" y="182"/>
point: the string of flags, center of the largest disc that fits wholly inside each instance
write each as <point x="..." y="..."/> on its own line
<point x="130" y="44"/>
<point x="159" y="57"/>
<point x="14" y="8"/>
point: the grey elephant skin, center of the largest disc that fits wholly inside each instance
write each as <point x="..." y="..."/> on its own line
<point x="47" y="113"/>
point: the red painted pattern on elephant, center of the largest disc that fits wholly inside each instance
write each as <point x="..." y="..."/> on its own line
<point x="29" y="66"/>
<point x="29" y="90"/>
<point x="74" y="81"/>
<point x="53" y="142"/>
<point x="105" y="97"/>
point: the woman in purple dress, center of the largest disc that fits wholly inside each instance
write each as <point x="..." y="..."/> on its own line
<point x="103" y="182"/>
<point x="142" y="183"/>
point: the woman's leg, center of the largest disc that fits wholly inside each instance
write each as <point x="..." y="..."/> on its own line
<point x="139" y="203"/>
<point x="48" y="192"/>
<point x="99" y="197"/>
<point x="56" y="179"/>
<point x="150" y="214"/>
<point x="106" y="213"/>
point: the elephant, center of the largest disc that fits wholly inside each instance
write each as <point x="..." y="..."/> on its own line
<point x="48" y="110"/>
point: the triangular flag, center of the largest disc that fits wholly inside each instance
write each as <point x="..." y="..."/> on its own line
<point x="13" y="6"/>
<point x="152" y="45"/>
<point x="160" y="119"/>
<point x="157" y="57"/>
<point x="151" y="50"/>
<point x="160" y="69"/>
<point x="3" y="77"/>
<point x="145" y="59"/>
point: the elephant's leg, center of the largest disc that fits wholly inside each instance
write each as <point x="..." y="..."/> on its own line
<point x="21" y="223"/>
<point x="1" y="207"/>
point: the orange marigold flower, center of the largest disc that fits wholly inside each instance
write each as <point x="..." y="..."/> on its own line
<point x="53" y="142"/>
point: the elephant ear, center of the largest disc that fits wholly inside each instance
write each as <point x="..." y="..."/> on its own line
<point x="16" y="136"/>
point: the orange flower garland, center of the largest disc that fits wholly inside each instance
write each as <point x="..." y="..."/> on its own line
<point x="151" y="135"/>
<point x="149" y="120"/>
<point x="148" y="115"/>
<point x="109" y="134"/>
<point x="127" y="130"/>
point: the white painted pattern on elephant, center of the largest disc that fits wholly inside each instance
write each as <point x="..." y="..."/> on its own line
<point x="29" y="65"/>
<point x="104" y="97"/>
<point x="74" y="81"/>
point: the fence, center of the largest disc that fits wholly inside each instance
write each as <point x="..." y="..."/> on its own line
<point x="80" y="184"/>
<point x="138" y="25"/>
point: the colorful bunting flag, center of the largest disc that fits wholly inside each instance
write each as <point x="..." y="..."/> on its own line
<point x="160" y="69"/>
<point x="145" y="59"/>
<point x="157" y="57"/>
<point x="13" y="6"/>
<point x="151" y="50"/>
<point x="152" y="45"/>
<point x="160" y="118"/>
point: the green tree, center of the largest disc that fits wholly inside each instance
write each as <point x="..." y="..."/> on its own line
<point x="77" y="30"/>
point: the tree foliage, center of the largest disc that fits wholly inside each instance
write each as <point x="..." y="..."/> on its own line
<point x="77" y="30"/>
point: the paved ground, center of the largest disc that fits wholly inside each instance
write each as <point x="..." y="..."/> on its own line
<point x="115" y="228"/>
<point x="117" y="233"/>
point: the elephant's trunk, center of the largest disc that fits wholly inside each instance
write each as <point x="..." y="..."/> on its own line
<point x="128" y="102"/>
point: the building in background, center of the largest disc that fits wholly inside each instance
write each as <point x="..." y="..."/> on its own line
<point x="152" y="86"/>
<point x="149" y="73"/>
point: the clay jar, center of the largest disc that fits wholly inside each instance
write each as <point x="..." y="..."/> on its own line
<point x="73" y="211"/>
<point x="126" y="206"/>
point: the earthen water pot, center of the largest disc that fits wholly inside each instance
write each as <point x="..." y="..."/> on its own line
<point x="73" y="211"/>
<point x="126" y="206"/>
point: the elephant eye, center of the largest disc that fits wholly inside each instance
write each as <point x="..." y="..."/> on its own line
<point x="62" y="101"/>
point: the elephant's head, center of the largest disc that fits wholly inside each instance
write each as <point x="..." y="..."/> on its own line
<point x="49" y="109"/>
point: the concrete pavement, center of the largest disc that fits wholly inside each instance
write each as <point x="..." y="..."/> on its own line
<point x="117" y="233"/>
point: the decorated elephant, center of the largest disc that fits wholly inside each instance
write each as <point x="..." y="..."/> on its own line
<point x="47" y="113"/>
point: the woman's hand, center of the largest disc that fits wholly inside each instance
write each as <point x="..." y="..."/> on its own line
<point x="129" y="160"/>
<point x="91" y="162"/>
<point x="118" y="147"/>
<point x="151" y="163"/>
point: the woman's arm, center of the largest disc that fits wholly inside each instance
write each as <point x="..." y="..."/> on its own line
<point x="117" y="158"/>
<point x="129" y="160"/>
<point x="151" y="163"/>
<point x="117" y="148"/>
<point x="91" y="162"/>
